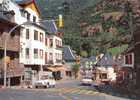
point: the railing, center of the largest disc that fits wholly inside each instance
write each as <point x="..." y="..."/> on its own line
<point x="49" y="62"/>
<point x="58" y="61"/>
<point x="7" y="15"/>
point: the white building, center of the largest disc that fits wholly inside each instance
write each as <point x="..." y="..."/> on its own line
<point x="53" y="54"/>
<point x="32" y="38"/>
<point x="37" y="49"/>
<point x="54" y="50"/>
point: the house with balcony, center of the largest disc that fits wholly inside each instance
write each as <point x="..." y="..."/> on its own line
<point x="9" y="46"/>
<point x="29" y="41"/>
<point x="32" y="40"/>
<point x="30" y="47"/>
<point x="53" y="53"/>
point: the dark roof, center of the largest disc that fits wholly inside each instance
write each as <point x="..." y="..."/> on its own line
<point x="39" y="26"/>
<point x="4" y="19"/>
<point x="106" y="60"/>
<point x="129" y="49"/>
<point x="68" y="54"/>
<point x="23" y="2"/>
<point x="92" y="58"/>
<point x="50" y="26"/>
<point x="83" y="60"/>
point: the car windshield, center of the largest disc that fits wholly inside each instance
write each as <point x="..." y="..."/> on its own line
<point x="87" y="78"/>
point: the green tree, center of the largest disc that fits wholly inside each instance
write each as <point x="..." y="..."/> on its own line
<point x="84" y="54"/>
<point x="75" y="69"/>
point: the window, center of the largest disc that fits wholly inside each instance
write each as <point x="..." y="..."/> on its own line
<point x="41" y="54"/>
<point x="56" y="55"/>
<point x="35" y="35"/>
<point x="46" y="57"/>
<point x="41" y="37"/>
<point x="28" y="16"/>
<point x="23" y="12"/>
<point x="51" y="42"/>
<point x="34" y="19"/>
<point x="50" y="56"/>
<point x="27" y="53"/>
<point x="27" y="33"/>
<point x="35" y="53"/>
<point x="28" y="74"/>
<point x="103" y="76"/>
<point x="46" y="41"/>
<point x="129" y="59"/>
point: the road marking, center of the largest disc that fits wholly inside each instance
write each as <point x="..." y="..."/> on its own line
<point x="65" y="97"/>
<point x="75" y="91"/>
<point x="88" y="92"/>
<point x="82" y="91"/>
<point x="69" y="90"/>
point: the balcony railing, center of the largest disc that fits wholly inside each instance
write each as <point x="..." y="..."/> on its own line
<point x="7" y="15"/>
<point x="49" y="62"/>
<point x="58" y="61"/>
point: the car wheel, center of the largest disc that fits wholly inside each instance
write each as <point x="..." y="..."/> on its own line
<point x="36" y="86"/>
<point x="45" y="86"/>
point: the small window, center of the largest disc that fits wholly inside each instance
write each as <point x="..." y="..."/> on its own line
<point x="27" y="33"/>
<point x="51" y="42"/>
<point x="46" y="57"/>
<point x="34" y="19"/>
<point x="50" y="56"/>
<point x="35" y="35"/>
<point x="28" y="16"/>
<point x="129" y="59"/>
<point x="41" y="54"/>
<point x="41" y="37"/>
<point x="27" y="53"/>
<point x="103" y="76"/>
<point x="46" y="41"/>
<point x="35" y="53"/>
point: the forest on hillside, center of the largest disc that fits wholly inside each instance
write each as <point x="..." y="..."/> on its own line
<point x="92" y="26"/>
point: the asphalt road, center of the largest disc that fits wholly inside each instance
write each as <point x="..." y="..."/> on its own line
<point x="64" y="90"/>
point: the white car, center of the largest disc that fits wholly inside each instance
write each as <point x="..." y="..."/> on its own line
<point x="45" y="82"/>
<point x="86" y="81"/>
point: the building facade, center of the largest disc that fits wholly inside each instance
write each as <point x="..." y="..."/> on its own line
<point x="9" y="44"/>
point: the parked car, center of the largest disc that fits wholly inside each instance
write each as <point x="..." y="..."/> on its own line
<point x="45" y="82"/>
<point x="87" y="81"/>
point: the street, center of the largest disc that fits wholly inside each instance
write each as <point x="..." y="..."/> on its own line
<point x="64" y="90"/>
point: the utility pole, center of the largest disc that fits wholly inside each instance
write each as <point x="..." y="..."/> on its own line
<point x="5" y="64"/>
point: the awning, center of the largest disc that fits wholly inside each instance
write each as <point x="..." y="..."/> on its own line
<point x="61" y="68"/>
<point x="54" y="69"/>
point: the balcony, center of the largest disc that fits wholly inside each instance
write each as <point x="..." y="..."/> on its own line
<point x="49" y="62"/>
<point x="58" y="47"/>
<point x="58" y="61"/>
<point x="12" y="41"/>
<point x="6" y="14"/>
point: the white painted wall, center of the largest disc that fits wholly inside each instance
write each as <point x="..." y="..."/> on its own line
<point x="54" y="49"/>
<point x="31" y="43"/>
<point x="110" y="72"/>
